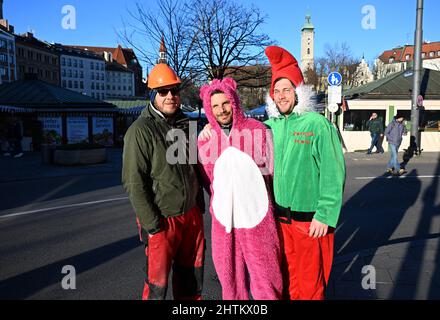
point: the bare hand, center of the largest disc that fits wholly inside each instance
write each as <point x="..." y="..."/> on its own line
<point x="206" y="133"/>
<point x="317" y="229"/>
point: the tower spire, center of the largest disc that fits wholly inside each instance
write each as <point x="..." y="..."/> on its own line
<point x="162" y="52"/>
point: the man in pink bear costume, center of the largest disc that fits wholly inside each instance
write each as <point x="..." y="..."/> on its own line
<point x="238" y="164"/>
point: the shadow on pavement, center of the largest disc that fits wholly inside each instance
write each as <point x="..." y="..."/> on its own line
<point x="25" y="285"/>
<point x="367" y="221"/>
<point x="425" y="258"/>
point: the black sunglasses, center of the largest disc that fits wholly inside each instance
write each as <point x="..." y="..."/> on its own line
<point x="164" y="92"/>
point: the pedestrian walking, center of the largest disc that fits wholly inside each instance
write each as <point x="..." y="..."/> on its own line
<point x="375" y="126"/>
<point x="394" y="133"/>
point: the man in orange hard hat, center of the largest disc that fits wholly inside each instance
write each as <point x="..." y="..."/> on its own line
<point x="163" y="194"/>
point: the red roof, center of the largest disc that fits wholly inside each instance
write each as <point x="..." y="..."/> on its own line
<point x="121" y="55"/>
<point x="399" y="54"/>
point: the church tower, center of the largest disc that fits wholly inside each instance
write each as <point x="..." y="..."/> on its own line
<point x="162" y="52"/>
<point x="307" y="44"/>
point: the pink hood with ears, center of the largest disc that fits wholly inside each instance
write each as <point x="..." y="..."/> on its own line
<point x="229" y="87"/>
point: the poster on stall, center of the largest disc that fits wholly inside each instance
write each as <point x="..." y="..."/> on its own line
<point x="52" y="130"/>
<point x="103" y="131"/>
<point x="77" y="130"/>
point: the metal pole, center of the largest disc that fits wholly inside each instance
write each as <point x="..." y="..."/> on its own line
<point x="415" y="134"/>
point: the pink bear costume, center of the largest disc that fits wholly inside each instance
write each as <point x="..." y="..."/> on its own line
<point x="245" y="239"/>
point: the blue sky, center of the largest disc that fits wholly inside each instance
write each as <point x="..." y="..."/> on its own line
<point x="335" y="22"/>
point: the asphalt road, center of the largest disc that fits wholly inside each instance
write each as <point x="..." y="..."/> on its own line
<point x="86" y="221"/>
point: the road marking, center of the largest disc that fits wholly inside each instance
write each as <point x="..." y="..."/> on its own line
<point x="61" y="207"/>
<point x="394" y="177"/>
<point x="348" y="240"/>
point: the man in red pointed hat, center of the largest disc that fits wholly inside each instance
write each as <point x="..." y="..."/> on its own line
<point x="309" y="176"/>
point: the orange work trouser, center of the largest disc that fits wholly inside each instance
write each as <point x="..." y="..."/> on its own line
<point x="180" y="244"/>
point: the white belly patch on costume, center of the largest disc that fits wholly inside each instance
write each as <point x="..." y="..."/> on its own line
<point x="240" y="197"/>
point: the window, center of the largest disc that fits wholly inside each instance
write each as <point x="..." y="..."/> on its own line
<point x="438" y="53"/>
<point x="63" y="72"/>
<point x="356" y="120"/>
<point x="69" y="62"/>
<point x="70" y="84"/>
<point x="391" y="60"/>
<point x="31" y="70"/>
<point x="102" y="67"/>
<point x="423" y="55"/>
<point x="81" y="74"/>
<point x="92" y="66"/>
<point x="125" y="88"/>
<point x="102" y="87"/>
<point x="47" y="74"/>
<point x="76" y="74"/>
<point x="92" y="76"/>
<point x="63" y="61"/>
<point x="108" y="87"/>
<point x="69" y="73"/>
<point x="64" y="83"/>
<point x="97" y="66"/>
<point x="46" y="59"/>
<point x="408" y="57"/>
<point x="81" y="85"/>
<point x="22" y="69"/>
<point x="55" y="75"/>
<point x="76" y="84"/>
<point x="93" y="86"/>
<point x="39" y="58"/>
<point x="75" y="63"/>
<point x="54" y="61"/>
<point x="81" y="65"/>
<point x="30" y="55"/>
<point x="431" y="54"/>
<point x="308" y="50"/>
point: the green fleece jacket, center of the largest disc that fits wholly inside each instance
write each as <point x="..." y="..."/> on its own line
<point x="309" y="168"/>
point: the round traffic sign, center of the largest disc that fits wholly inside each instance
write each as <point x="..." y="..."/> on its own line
<point x="333" y="107"/>
<point x="334" y="79"/>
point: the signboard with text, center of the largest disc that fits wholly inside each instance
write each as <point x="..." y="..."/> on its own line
<point x="52" y="130"/>
<point x="103" y="131"/>
<point x="77" y="130"/>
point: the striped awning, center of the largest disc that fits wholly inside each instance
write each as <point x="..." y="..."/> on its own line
<point x="11" y="109"/>
<point x="132" y="110"/>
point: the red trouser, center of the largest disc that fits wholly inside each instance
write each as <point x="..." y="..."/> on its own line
<point x="306" y="261"/>
<point x="181" y="242"/>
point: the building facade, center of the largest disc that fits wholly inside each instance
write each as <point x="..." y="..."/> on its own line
<point x="38" y="58"/>
<point x="363" y="74"/>
<point x="8" y="65"/>
<point x="126" y="57"/>
<point x="82" y="71"/>
<point x="120" y="82"/>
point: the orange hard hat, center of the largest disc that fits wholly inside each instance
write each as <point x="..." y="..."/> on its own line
<point x="162" y="76"/>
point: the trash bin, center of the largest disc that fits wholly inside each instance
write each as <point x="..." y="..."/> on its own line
<point x="47" y="153"/>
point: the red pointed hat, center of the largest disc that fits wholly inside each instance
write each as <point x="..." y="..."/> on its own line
<point x="284" y="65"/>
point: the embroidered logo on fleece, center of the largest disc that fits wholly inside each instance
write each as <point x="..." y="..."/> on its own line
<point x="306" y="137"/>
